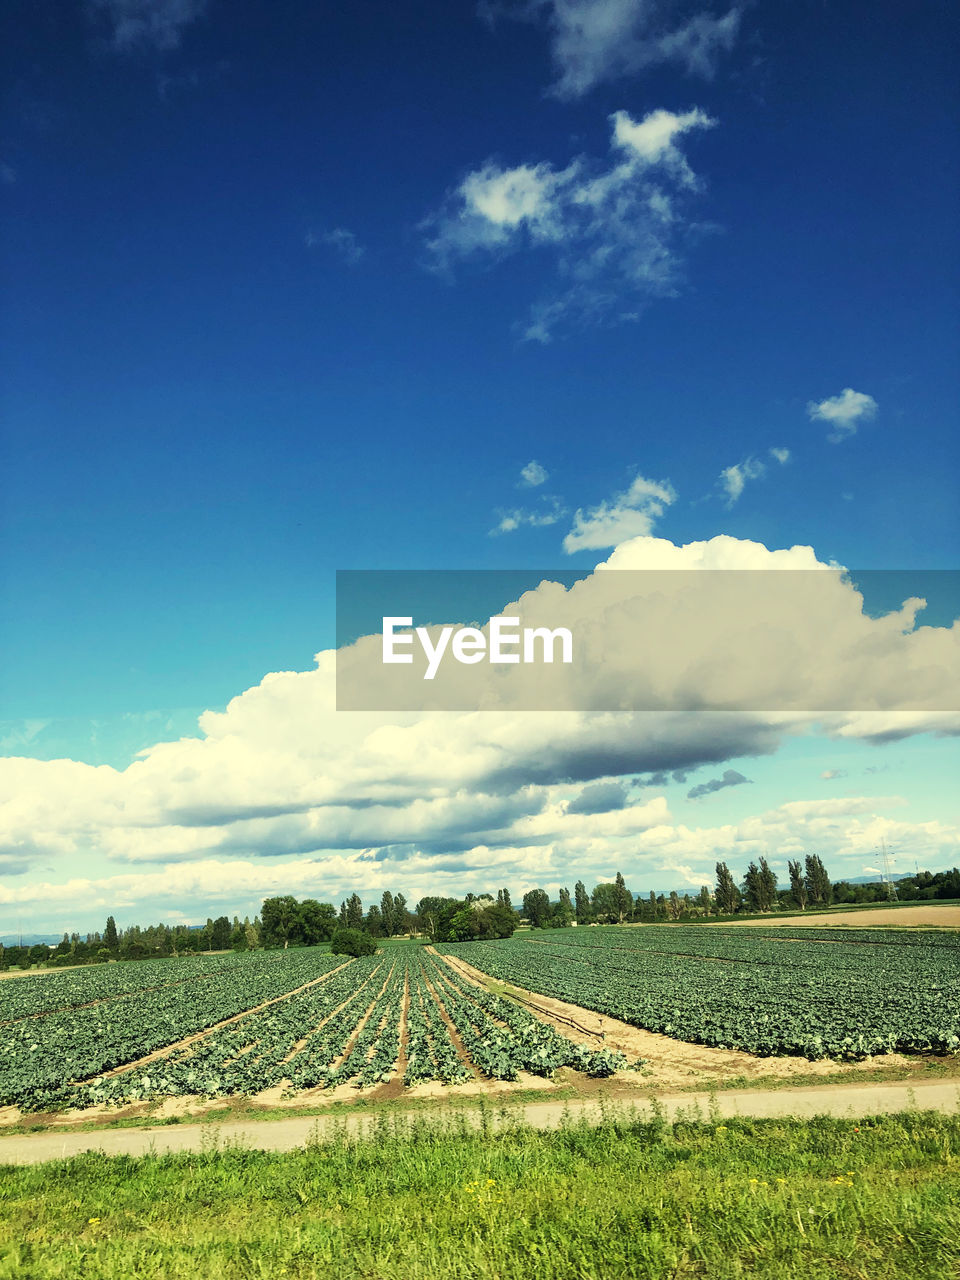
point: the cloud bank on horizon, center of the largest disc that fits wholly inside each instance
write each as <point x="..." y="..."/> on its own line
<point x="281" y="789"/>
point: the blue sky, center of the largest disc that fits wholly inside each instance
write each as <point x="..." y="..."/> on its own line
<point x="291" y="292"/>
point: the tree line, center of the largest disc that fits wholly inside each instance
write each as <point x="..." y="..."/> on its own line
<point x="284" y="921"/>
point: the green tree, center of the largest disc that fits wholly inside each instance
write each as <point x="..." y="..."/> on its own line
<point x="482" y="920"/>
<point x="354" y="912"/>
<point x="387" y="913"/>
<point x="798" y="888"/>
<point x="727" y="893"/>
<point x="768" y="886"/>
<point x="374" y="923"/>
<point x="704" y="899"/>
<point x="603" y="902"/>
<point x="220" y="934"/>
<point x="581" y="902"/>
<point x="536" y="907"/>
<point x="624" y="899"/>
<point x="401" y="916"/>
<point x="819" y="888"/>
<point x="317" y="921"/>
<point x="110" y="938"/>
<point x="562" y="916"/>
<point x="280" y="917"/>
<point x="434" y="915"/>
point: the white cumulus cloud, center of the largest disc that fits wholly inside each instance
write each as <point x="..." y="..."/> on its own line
<point x="533" y="475"/>
<point x="844" y="412"/>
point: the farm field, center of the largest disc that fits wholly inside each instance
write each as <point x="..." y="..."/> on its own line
<point x="283" y="1021"/>
<point x="659" y="1007"/>
<point x="813" y="993"/>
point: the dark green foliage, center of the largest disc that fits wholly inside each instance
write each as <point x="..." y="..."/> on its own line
<point x="582" y="902"/>
<point x="354" y="912"/>
<point x="110" y="939"/>
<point x="352" y="942"/>
<point x="536" y="908"/>
<point x="798" y="888"/>
<point x="727" y="894"/>
<point x="480" y="920"/>
<point x="819" y="889"/>
<point x="280" y="917"/>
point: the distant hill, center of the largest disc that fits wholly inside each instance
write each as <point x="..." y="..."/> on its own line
<point x="29" y="939"/>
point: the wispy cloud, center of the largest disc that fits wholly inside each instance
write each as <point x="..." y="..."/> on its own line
<point x="829" y="775"/>
<point x="532" y="475"/>
<point x="626" y="515"/>
<point x="731" y="778"/>
<point x="733" y="479"/>
<point x="550" y="512"/>
<point x="613" y="229"/>
<point x="342" y="241"/>
<point x="598" y="40"/>
<point x="844" y="412"/>
<point x="146" y="24"/>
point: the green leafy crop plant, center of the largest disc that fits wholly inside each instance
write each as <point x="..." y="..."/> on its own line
<point x="832" y="996"/>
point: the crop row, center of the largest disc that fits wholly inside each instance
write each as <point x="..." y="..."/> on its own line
<point x="503" y="1039"/>
<point x="326" y="1021"/>
<point x="243" y="1057"/>
<point x="38" y="1055"/>
<point x="885" y="956"/>
<point x="850" y="1005"/>
<point x="55" y="992"/>
<point x="431" y="1054"/>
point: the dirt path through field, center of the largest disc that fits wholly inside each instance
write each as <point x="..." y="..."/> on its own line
<point x="290" y="1134"/>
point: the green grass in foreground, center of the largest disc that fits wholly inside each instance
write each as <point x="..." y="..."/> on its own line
<point x="788" y="1199"/>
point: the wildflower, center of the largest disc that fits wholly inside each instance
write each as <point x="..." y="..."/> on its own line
<point x="93" y="1222"/>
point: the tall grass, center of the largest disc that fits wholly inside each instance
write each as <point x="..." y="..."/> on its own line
<point x="414" y="1200"/>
